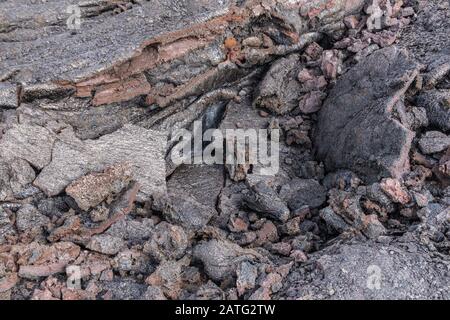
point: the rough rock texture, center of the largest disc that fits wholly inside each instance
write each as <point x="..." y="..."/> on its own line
<point x="220" y="258"/>
<point x="303" y="192"/>
<point x="15" y="178"/>
<point x="437" y="105"/>
<point x="9" y="96"/>
<point x="185" y="210"/>
<point x="265" y="200"/>
<point x="356" y="128"/>
<point x="90" y="190"/>
<point x="106" y="244"/>
<point x="372" y="271"/>
<point x="167" y="242"/>
<point x="202" y="182"/>
<point x="72" y="158"/>
<point x="103" y="41"/>
<point x="279" y="91"/>
<point x="31" y="143"/>
<point x="434" y="142"/>
<point x="355" y="202"/>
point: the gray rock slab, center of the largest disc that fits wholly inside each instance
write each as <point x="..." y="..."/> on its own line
<point x="72" y="158"/>
<point x="28" y="142"/>
<point x="356" y="129"/>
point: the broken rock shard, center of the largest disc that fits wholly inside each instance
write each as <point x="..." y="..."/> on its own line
<point x="9" y="95"/>
<point x="31" y="143"/>
<point x="357" y="129"/>
<point x="90" y="190"/>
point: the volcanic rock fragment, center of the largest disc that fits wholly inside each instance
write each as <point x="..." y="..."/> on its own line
<point x="220" y="258"/>
<point x="31" y="143"/>
<point x="437" y="105"/>
<point x="168" y="277"/>
<point x="267" y="234"/>
<point x="72" y="158"/>
<point x="356" y="129"/>
<point x="202" y="182"/>
<point x="6" y="284"/>
<point x="14" y="178"/>
<point x="266" y="201"/>
<point x="180" y="208"/>
<point x="130" y="229"/>
<point x="280" y="90"/>
<point x="434" y="142"/>
<point x="38" y="260"/>
<point x="123" y="289"/>
<point x="246" y="277"/>
<point x="87" y="122"/>
<point x="331" y="64"/>
<point x="443" y="170"/>
<point x="351" y="21"/>
<point x="110" y="39"/>
<point x="29" y="219"/>
<point x="370" y="226"/>
<point x="311" y="102"/>
<point x="154" y="293"/>
<point x="116" y="227"/>
<point x="341" y="179"/>
<point x="209" y="291"/>
<point x="395" y="191"/>
<point x="229" y="202"/>
<point x="90" y="190"/>
<point x="347" y="205"/>
<point x="167" y="242"/>
<point x="131" y="261"/>
<point x="6" y="227"/>
<point x="333" y="220"/>
<point x="303" y="192"/>
<point x="314" y="51"/>
<point x="370" y="270"/>
<point x="9" y="95"/>
<point x="437" y="70"/>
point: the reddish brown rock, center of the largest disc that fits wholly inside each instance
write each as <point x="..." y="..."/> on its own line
<point x="314" y="51"/>
<point x="281" y="248"/>
<point x="91" y="189"/>
<point x="394" y="189"/>
<point x="267" y="233"/>
<point x="42" y="261"/>
<point x="311" y="102"/>
<point x="304" y="75"/>
<point x="168" y="277"/>
<point x="351" y="22"/>
<point x="299" y="256"/>
<point x="237" y="224"/>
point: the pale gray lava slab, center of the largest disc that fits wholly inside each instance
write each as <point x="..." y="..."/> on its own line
<point x="72" y="158"/>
